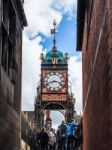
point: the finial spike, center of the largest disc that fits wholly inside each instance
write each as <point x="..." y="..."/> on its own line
<point x="53" y="31"/>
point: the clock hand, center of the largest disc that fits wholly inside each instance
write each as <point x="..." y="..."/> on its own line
<point x="52" y="81"/>
<point x="56" y="82"/>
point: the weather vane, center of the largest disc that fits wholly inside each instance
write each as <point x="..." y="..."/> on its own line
<point x="53" y="31"/>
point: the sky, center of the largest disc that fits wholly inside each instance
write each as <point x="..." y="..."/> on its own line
<point x="37" y="39"/>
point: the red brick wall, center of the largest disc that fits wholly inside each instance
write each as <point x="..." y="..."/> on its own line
<point x="97" y="77"/>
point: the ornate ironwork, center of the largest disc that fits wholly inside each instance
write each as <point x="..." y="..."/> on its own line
<point x="54" y="61"/>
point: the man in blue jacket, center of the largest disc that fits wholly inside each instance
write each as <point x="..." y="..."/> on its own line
<point x="70" y="134"/>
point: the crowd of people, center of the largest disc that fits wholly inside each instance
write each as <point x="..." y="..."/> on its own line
<point x="67" y="137"/>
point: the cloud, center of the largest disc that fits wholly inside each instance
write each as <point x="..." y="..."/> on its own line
<point x="30" y="71"/>
<point x="75" y="71"/>
<point x="40" y="14"/>
<point x="67" y="7"/>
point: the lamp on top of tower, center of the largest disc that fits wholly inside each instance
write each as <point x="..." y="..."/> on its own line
<point x="66" y="56"/>
<point x="41" y="56"/>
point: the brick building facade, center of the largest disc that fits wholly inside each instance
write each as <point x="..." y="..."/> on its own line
<point x="94" y="38"/>
<point x="12" y="21"/>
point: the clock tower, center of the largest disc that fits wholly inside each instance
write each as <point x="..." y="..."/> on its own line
<point x="53" y="90"/>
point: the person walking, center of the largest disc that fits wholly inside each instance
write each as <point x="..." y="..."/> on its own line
<point x="78" y="135"/>
<point x="61" y="136"/>
<point x="52" y="139"/>
<point x="44" y="139"/>
<point x="70" y="135"/>
<point x="38" y="147"/>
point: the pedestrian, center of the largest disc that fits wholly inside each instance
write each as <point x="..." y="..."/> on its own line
<point x="58" y="138"/>
<point x="44" y="139"/>
<point x="38" y="139"/>
<point x="78" y="135"/>
<point x="70" y="134"/>
<point x="55" y="138"/>
<point x="54" y="132"/>
<point x="61" y="134"/>
<point x="31" y="140"/>
<point x="52" y="139"/>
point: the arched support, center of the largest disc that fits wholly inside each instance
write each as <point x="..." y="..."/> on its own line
<point x="40" y="111"/>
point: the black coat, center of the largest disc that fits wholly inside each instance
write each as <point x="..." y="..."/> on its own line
<point x="44" y="138"/>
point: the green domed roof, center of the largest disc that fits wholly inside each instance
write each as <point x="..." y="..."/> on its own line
<point x="54" y="57"/>
<point x="54" y="53"/>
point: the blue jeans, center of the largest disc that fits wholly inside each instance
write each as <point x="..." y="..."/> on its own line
<point x="70" y="142"/>
<point x="63" y="143"/>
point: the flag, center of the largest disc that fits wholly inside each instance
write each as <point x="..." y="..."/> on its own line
<point x="52" y="31"/>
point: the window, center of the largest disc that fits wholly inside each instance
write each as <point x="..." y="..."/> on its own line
<point x="8" y="36"/>
<point x="5" y="17"/>
<point x="4" y="49"/>
<point x="12" y="23"/>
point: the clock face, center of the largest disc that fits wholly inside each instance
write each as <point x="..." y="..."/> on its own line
<point x="54" y="81"/>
